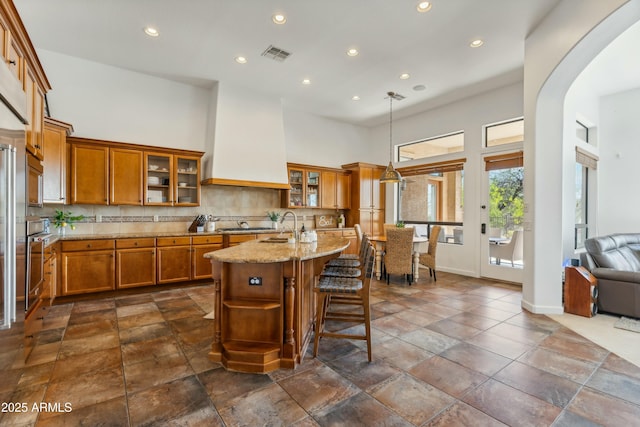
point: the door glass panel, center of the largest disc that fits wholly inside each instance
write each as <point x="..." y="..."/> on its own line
<point x="313" y="186"/>
<point x="295" y="181"/>
<point x="506" y="210"/>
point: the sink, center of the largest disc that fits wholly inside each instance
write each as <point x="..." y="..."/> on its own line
<point x="245" y="229"/>
<point x="275" y="240"/>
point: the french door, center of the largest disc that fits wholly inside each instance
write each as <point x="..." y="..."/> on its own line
<point x="502" y="212"/>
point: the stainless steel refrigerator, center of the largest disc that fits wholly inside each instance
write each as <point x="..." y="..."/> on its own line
<point x="12" y="196"/>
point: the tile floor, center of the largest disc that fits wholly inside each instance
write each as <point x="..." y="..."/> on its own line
<point x="459" y="352"/>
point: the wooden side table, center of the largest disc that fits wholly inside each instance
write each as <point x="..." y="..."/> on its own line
<point x="580" y="292"/>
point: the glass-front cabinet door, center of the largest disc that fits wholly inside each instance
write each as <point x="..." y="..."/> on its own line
<point x="187" y="180"/>
<point x="158" y="179"/>
<point x="296" y="193"/>
<point x="312" y="189"/>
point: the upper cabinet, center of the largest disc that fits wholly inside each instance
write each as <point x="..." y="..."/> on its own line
<point x="172" y="179"/>
<point x="305" y="187"/>
<point x="20" y="57"/>
<point x="113" y="173"/>
<point x="89" y="180"/>
<point x="367" y="198"/>
<point x="55" y="160"/>
<point x="336" y="192"/>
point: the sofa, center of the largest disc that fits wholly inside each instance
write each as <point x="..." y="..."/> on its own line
<point x="615" y="261"/>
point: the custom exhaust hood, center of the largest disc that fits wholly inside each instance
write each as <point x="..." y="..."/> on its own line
<point x="245" y="140"/>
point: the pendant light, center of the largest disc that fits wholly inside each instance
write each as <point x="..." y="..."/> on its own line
<point x="391" y="175"/>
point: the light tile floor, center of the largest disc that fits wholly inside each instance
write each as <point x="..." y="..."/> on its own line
<point x="456" y="352"/>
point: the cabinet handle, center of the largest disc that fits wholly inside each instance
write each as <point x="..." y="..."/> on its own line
<point x="88" y="245"/>
<point x="135" y="243"/>
<point x="12" y="62"/>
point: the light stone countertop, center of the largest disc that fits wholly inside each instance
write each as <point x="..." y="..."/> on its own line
<point x="262" y="252"/>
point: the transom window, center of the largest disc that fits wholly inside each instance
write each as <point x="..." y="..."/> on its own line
<point x="452" y="143"/>
<point x="504" y="133"/>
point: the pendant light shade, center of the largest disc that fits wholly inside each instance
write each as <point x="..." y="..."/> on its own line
<point x="390" y="175"/>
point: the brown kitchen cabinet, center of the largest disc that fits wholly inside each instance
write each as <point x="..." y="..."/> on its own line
<point x="186" y="178"/>
<point x="336" y="190"/>
<point x="49" y="285"/>
<point x="135" y="262"/>
<point x="87" y="266"/>
<point x="200" y="245"/>
<point x="55" y="160"/>
<point x="367" y="198"/>
<point x="174" y="259"/>
<point x="35" y="114"/>
<point x="158" y="179"/>
<point x="34" y="181"/>
<point x="89" y="180"/>
<point x="305" y="187"/>
<point x="125" y="176"/>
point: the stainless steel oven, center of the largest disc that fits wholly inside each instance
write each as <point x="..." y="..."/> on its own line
<point x="37" y="238"/>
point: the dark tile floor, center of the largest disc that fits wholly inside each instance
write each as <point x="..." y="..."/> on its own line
<point x="459" y="352"/>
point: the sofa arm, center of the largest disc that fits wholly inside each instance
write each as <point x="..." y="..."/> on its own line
<point x="618" y="275"/>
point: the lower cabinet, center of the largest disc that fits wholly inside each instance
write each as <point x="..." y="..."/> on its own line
<point x="201" y="266"/>
<point x="174" y="259"/>
<point x="135" y="262"/>
<point x="50" y="282"/>
<point x="87" y="266"/>
<point x="347" y="233"/>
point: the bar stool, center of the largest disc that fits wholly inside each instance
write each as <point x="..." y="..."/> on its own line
<point x="345" y="291"/>
<point x="347" y="268"/>
<point x="350" y="260"/>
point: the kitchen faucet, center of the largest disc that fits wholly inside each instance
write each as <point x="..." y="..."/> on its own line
<point x="295" y="223"/>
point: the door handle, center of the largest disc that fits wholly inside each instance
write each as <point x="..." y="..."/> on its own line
<point x="483" y="228"/>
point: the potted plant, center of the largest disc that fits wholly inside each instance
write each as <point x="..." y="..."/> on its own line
<point x="400" y="224"/>
<point x="63" y="219"/>
<point x="274" y="217"/>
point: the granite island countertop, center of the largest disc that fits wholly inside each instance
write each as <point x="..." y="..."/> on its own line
<point x="263" y="251"/>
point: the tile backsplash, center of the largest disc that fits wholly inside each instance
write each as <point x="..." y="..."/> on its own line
<point x="230" y="204"/>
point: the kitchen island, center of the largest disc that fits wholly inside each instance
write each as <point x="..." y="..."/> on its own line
<point x="264" y="302"/>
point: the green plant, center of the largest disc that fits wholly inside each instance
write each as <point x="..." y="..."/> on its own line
<point x="273" y="215"/>
<point x="399" y="224"/>
<point x="62" y="219"/>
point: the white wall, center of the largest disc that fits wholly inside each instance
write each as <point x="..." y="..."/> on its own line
<point x="111" y="103"/>
<point x="468" y="115"/>
<point x="618" y="171"/>
<point x="315" y="140"/>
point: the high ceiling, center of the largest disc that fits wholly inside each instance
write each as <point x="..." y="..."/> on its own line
<point x="199" y="40"/>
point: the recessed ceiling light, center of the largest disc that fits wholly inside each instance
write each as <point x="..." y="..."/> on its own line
<point x="418" y="88"/>
<point x="423" y="6"/>
<point x="306" y="81"/>
<point x="405" y="76"/>
<point x="151" y="31"/>
<point x="353" y="52"/>
<point x="355" y="98"/>
<point x="476" y="43"/>
<point x="279" y="19"/>
<point x="241" y="60"/>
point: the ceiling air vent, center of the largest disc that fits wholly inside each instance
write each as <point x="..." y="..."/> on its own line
<point x="275" y="53"/>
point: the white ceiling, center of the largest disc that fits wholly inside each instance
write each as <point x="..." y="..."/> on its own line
<point x="200" y="38"/>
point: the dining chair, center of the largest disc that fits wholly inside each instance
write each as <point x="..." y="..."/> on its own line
<point x="512" y="250"/>
<point x="334" y="292"/>
<point x="428" y="259"/>
<point x="398" y="253"/>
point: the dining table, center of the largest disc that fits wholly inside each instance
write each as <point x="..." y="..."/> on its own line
<point x="420" y="245"/>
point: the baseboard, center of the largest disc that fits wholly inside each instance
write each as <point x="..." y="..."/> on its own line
<point x="542" y="309"/>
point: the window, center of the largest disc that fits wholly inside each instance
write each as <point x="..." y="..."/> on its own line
<point x="504" y="133"/>
<point x="434" y="193"/>
<point x="452" y="143"/>
<point x="586" y="163"/>
<point x="582" y="132"/>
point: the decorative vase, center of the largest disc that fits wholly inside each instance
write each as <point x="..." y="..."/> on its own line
<point x="62" y="231"/>
<point x="274" y="225"/>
